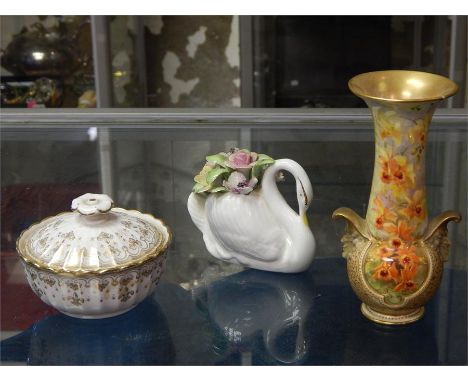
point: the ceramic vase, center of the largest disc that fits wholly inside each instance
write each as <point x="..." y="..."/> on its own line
<point x="395" y="256"/>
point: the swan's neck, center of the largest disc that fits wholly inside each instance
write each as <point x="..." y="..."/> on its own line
<point x="278" y="205"/>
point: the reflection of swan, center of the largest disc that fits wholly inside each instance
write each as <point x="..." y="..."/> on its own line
<point x="258" y="230"/>
<point x="271" y="306"/>
<point x="139" y="337"/>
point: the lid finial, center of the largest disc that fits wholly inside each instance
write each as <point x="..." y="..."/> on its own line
<point x="92" y="204"/>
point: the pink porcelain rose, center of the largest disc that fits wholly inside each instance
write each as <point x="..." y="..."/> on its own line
<point x="241" y="160"/>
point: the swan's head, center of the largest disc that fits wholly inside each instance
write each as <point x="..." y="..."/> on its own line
<point x="304" y="196"/>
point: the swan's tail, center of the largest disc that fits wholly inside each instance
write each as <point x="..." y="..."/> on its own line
<point x="196" y="208"/>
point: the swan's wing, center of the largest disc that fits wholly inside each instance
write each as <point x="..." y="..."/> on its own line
<point x="243" y="231"/>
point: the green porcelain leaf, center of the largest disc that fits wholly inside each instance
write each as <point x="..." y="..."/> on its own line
<point x="260" y="166"/>
<point x="212" y="175"/>
<point x="197" y="188"/>
<point x="218" y="159"/>
<point x="218" y="189"/>
<point x="264" y="157"/>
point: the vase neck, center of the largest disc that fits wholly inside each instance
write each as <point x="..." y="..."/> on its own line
<point x="397" y="206"/>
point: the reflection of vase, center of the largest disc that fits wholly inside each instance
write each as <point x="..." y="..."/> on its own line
<point x="372" y="344"/>
<point x="395" y="258"/>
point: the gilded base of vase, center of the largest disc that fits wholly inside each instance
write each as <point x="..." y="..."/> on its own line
<point x="388" y="319"/>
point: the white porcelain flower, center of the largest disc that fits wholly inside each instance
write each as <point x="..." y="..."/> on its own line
<point x="239" y="184"/>
<point x="90" y="204"/>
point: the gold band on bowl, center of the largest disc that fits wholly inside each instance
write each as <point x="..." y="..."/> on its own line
<point x="402" y="86"/>
<point x="23" y="252"/>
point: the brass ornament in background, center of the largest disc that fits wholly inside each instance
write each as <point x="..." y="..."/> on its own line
<point x="395" y="256"/>
<point x="38" y="51"/>
<point x="43" y="91"/>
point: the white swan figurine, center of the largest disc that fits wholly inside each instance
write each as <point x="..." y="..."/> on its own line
<point x="258" y="230"/>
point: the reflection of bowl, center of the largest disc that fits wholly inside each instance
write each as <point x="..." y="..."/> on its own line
<point x="271" y="306"/>
<point x="139" y="337"/>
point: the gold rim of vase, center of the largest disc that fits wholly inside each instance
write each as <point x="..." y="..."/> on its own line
<point x="402" y="86"/>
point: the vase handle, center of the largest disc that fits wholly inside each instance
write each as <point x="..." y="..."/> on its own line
<point x="356" y="234"/>
<point x="437" y="232"/>
<point x="353" y="220"/>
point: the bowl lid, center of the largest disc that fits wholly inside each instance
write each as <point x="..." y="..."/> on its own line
<point x="94" y="238"/>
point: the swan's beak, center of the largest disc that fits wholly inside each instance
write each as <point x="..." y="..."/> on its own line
<point x="304" y="219"/>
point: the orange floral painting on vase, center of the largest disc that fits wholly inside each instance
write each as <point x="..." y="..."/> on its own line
<point x="393" y="268"/>
<point x="397" y="212"/>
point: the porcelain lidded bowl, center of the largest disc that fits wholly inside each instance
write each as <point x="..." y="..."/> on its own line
<point x="96" y="261"/>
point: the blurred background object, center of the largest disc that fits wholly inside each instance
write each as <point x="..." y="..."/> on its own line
<point x="222" y="61"/>
<point x="45" y="61"/>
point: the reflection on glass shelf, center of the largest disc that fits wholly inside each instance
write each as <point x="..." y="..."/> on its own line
<point x="129" y="339"/>
<point x="251" y="318"/>
<point x="265" y="309"/>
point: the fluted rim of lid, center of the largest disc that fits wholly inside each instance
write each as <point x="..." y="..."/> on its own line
<point x="30" y="258"/>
